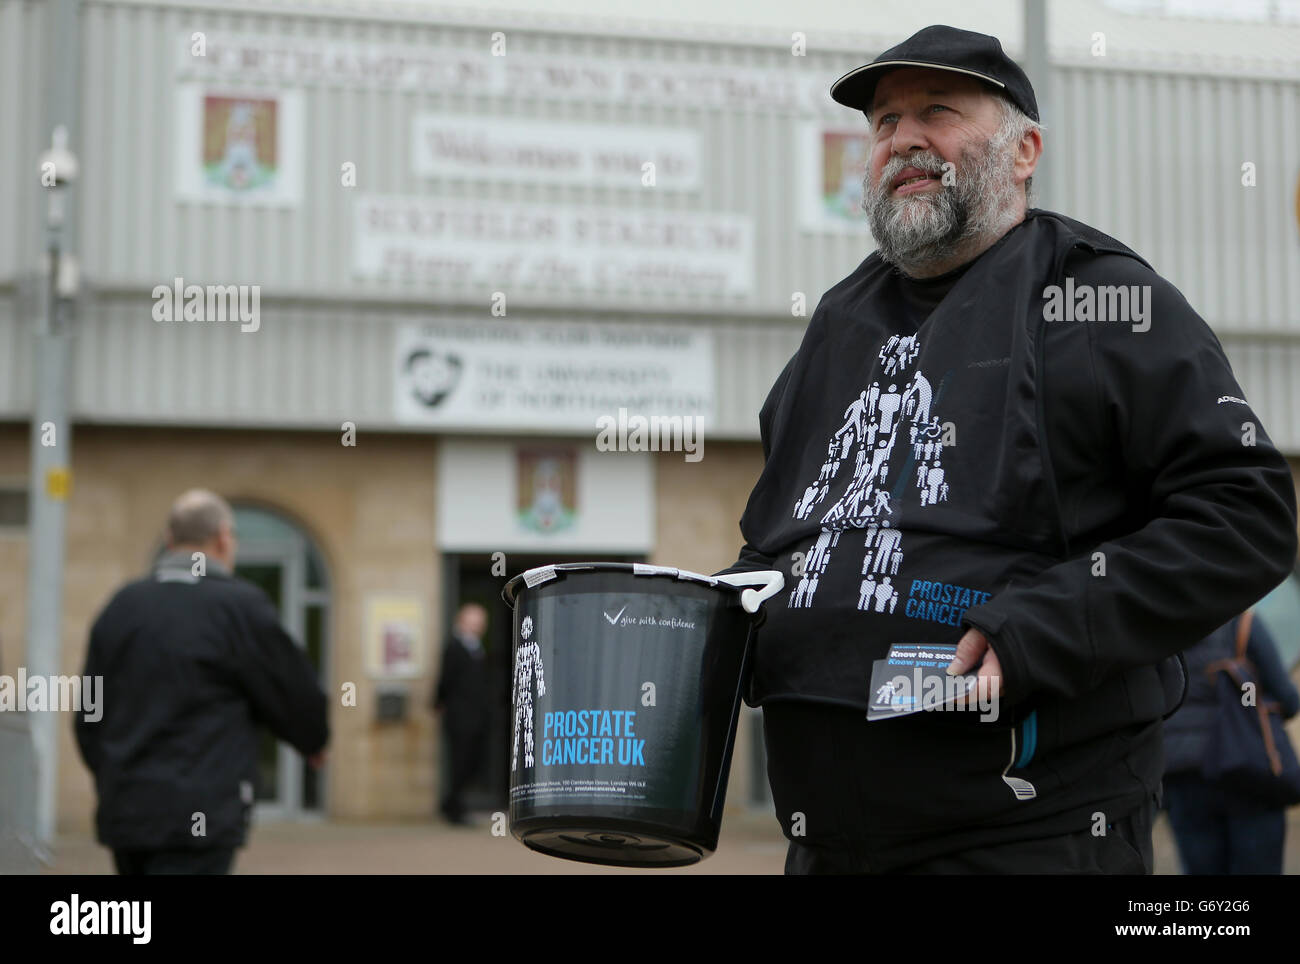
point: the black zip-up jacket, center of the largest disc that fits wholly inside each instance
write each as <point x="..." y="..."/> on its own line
<point x="192" y="666"/>
<point x="1094" y="496"/>
<point x="463" y="690"/>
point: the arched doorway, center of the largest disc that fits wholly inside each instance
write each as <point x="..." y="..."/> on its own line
<point x="277" y="555"/>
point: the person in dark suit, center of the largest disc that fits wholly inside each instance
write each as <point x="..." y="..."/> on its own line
<point x="193" y="661"/>
<point x="461" y="698"/>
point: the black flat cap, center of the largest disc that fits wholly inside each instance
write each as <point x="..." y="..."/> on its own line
<point x="941" y="48"/>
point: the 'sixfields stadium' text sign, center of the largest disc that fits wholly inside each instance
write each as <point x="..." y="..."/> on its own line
<point x="587" y="249"/>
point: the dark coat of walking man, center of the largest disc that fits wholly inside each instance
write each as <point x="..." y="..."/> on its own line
<point x="461" y="696"/>
<point x="193" y="661"/>
<point x="1004" y="438"/>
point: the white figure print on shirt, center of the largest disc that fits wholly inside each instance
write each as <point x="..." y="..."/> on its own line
<point x="873" y="422"/>
<point x="878" y="596"/>
<point x="899" y="352"/>
<point x="881" y="544"/>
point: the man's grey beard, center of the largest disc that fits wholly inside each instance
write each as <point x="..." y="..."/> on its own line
<point x="918" y="230"/>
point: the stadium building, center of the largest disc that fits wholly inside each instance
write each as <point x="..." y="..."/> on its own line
<point x="375" y="273"/>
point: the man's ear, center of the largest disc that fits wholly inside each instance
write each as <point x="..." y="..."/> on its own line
<point x="1027" y="155"/>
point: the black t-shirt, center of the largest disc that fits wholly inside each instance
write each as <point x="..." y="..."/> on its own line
<point x="920" y="296"/>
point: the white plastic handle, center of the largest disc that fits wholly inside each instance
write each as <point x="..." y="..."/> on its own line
<point x="771" y="581"/>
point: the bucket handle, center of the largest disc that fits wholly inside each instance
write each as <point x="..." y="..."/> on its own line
<point x="771" y="581"/>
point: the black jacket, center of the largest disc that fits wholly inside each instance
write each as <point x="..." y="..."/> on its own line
<point x="1186" y="731"/>
<point x="1083" y="493"/>
<point x="192" y="666"/>
<point x="463" y="690"/>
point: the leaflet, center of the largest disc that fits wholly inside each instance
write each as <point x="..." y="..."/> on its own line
<point x="913" y="678"/>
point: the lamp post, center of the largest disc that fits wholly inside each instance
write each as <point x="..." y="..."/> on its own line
<point x="50" y="478"/>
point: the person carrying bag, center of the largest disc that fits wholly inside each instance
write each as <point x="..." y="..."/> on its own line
<point x="1249" y="748"/>
<point x="1230" y="770"/>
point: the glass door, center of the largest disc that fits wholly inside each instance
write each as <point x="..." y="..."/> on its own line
<point x="280" y="767"/>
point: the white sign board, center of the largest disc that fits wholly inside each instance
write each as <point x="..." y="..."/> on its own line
<point x="590" y="249"/>
<point x="561" y="377"/>
<point x="479" y="497"/>
<point x="531" y="152"/>
<point x="268" y="59"/>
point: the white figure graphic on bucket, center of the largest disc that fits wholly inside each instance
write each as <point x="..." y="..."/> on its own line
<point x="528" y="662"/>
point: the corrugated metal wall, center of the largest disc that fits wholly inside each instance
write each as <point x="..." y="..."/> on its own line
<point x="1152" y="157"/>
<point x="136" y="234"/>
<point x="22" y="49"/>
<point x="1155" y="159"/>
<point x="22" y="55"/>
<point x="315" y="367"/>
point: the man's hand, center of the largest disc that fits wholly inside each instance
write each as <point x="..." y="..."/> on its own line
<point x="971" y="649"/>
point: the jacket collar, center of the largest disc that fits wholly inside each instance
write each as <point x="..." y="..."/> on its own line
<point x="178" y="566"/>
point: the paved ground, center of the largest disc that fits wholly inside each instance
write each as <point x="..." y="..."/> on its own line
<point x="750" y="844"/>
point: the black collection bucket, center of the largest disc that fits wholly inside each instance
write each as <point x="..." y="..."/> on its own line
<point x="628" y="682"/>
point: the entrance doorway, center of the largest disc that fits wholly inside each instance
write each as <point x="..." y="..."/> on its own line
<point x="468" y="578"/>
<point x="277" y="556"/>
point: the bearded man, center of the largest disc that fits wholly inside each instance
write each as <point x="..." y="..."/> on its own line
<point x="1018" y="450"/>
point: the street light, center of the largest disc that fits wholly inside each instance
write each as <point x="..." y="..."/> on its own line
<point x="50" y="478"/>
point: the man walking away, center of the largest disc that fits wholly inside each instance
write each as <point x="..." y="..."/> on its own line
<point x="193" y="661"/>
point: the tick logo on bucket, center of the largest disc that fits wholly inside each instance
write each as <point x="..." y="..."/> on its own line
<point x="528" y="664"/>
<point x="613" y="620"/>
